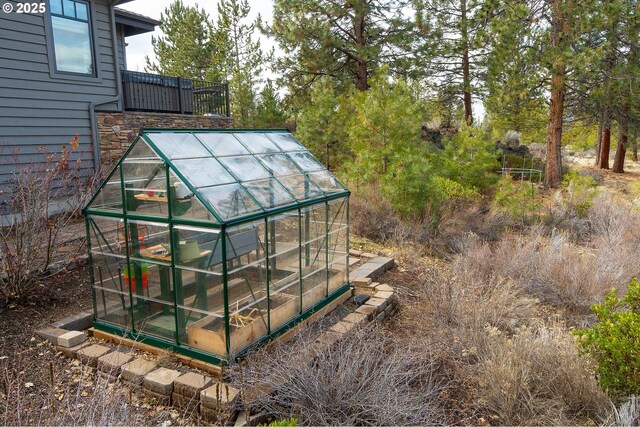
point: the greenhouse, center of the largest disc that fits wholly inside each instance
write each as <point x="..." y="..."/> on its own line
<point x="210" y="242"/>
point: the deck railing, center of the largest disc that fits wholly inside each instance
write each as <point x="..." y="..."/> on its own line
<point x="164" y="94"/>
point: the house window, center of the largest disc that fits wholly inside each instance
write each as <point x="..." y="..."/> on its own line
<point x="72" y="39"/>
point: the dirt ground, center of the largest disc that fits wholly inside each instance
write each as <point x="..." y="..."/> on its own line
<point x="617" y="183"/>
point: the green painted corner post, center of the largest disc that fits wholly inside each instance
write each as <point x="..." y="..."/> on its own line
<point x="300" y="255"/>
<point x="127" y="201"/>
<point x="174" y="245"/>
<point x="225" y="292"/>
<point x="266" y="251"/>
<point x="348" y="239"/>
<point x="91" y="276"/>
<point x="326" y="245"/>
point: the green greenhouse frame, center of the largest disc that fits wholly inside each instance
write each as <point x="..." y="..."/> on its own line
<point x="212" y="241"/>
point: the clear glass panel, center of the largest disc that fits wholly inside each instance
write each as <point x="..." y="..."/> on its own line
<point x="113" y="302"/>
<point x="82" y="11"/>
<point x="154" y="318"/>
<point x="338" y="238"/>
<point x="107" y="273"/>
<point x="222" y="144"/>
<point x="257" y="142"/>
<point x="230" y="200"/>
<point x="269" y="193"/>
<point x="285" y="141"/>
<point x="326" y="182"/>
<point x="300" y="186"/>
<point x="141" y="151"/>
<point x="247" y="285"/>
<point x="69" y="8"/>
<point x="199" y="249"/>
<point x="202" y="312"/>
<point x="56" y="6"/>
<point x="203" y="172"/>
<point x="284" y="268"/>
<point x="246" y="168"/>
<point x="306" y="162"/>
<point x="199" y="295"/>
<point x="109" y="197"/>
<point x="148" y="241"/>
<point x="178" y="145"/>
<point x="113" y="307"/>
<point x="107" y="236"/>
<point x="314" y="260"/>
<point x="279" y="164"/>
<point x="185" y="204"/>
<point x="145" y="187"/>
<point x="72" y="42"/>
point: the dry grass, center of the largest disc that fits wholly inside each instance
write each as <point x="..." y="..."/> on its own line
<point x="363" y="380"/>
<point x="536" y="377"/>
<point x="83" y="399"/>
<point x="554" y="266"/>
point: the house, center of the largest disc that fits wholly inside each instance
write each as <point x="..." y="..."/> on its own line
<point x="63" y="73"/>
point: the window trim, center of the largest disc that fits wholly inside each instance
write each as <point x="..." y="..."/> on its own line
<point x="51" y="50"/>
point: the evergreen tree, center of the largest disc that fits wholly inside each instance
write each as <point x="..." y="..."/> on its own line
<point x="270" y="112"/>
<point x="457" y="51"/>
<point x="187" y="46"/>
<point x="514" y="79"/>
<point x="321" y="124"/>
<point x="244" y="58"/>
<point x="346" y="41"/>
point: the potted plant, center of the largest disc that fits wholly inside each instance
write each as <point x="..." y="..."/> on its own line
<point x="130" y="278"/>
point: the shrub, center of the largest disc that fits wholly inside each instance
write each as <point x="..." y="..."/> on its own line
<point x="362" y="380"/>
<point x="516" y="198"/>
<point x="42" y="200"/>
<point x="614" y="340"/>
<point x="581" y="191"/>
<point x="536" y="377"/>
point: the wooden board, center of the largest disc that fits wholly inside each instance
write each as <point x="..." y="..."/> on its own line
<point x="208" y="334"/>
<point x="163" y="199"/>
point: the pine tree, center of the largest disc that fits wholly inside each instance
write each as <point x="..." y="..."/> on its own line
<point x="457" y="45"/>
<point x="322" y="124"/>
<point x="514" y="79"/>
<point x="270" y="112"/>
<point x="244" y="58"/>
<point x="346" y="41"/>
<point x="186" y="48"/>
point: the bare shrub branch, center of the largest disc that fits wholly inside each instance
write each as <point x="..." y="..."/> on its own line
<point x="363" y="380"/>
<point x="42" y="200"/>
<point x="536" y="377"/>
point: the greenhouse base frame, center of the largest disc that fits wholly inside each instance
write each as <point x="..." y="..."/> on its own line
<point x="208" y="357"/>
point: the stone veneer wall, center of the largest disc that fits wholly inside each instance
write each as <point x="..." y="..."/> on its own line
<point x="118" y="130"/>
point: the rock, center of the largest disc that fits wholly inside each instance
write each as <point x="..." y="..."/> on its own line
<point x="71" y="339"/>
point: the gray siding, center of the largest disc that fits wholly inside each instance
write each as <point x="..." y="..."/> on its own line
<point x="40" y="111"/>
<point x="122" y="57"/>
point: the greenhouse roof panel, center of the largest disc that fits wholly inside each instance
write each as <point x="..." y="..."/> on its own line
<point x="235" y="175"/>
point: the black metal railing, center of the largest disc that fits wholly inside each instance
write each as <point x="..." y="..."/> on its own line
<point x="164" y="94"/>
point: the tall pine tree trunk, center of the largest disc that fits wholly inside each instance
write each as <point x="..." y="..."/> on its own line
<point x="621" y="149"/>
<point x="362" y="72"/>
<point x="553" y="173"/>
<point x="466" y="73"/>
<point x="605" y="146"/>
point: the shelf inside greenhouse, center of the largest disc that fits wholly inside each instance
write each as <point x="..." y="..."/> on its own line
<point x="212" y="241"/>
